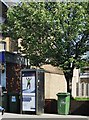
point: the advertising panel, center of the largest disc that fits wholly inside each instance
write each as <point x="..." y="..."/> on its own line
<point x="28" y="91"/>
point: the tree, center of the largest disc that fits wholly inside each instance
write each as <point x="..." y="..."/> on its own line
<point x="52" y="32"/>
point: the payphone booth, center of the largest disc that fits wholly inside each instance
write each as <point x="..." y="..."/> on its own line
<point x="32" y="91"/>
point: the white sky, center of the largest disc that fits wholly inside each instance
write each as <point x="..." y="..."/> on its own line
<point x="11" y="0"/>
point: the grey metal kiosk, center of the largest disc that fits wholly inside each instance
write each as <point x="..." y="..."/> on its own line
<point x="32" y="91"/>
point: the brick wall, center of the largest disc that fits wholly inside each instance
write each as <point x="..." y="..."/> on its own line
<point x="13" y="77"/>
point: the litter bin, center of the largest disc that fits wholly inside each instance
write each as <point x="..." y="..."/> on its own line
<point x="14" y="103"/>
<point x="63" y="103"/>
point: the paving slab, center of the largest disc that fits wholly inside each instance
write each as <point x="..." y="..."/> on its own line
<point x="11" y="116"/>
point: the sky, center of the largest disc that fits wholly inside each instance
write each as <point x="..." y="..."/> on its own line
<point x="11" y="0"/>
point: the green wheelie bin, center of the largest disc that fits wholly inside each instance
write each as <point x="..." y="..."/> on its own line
<point x="63" y="103"/>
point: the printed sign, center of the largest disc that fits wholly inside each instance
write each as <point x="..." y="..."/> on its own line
<point x="28" y="103"/>
<point x="28" y="92"/>
<point x="13" y="99"/>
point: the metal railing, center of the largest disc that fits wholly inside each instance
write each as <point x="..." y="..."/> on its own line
<point x="82" y="89"/>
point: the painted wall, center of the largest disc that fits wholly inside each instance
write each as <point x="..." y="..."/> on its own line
<point x="75" y="79"/>
<point x="54" y="83"/>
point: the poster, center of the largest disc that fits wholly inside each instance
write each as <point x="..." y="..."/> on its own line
<point x="28" y="92"/>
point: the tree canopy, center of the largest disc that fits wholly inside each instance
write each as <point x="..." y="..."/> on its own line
<point x="52" y="32"/>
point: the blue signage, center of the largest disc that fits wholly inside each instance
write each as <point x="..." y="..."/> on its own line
<point x="2" y="57"/>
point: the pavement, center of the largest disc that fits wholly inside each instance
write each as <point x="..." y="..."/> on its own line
<point x="11" y="116"/>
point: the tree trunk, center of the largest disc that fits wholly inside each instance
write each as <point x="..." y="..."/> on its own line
<point x="68" y="86"/>
<point x="68" y="76"/>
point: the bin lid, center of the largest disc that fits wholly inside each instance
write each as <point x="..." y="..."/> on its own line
<point x="64" y="94"/>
